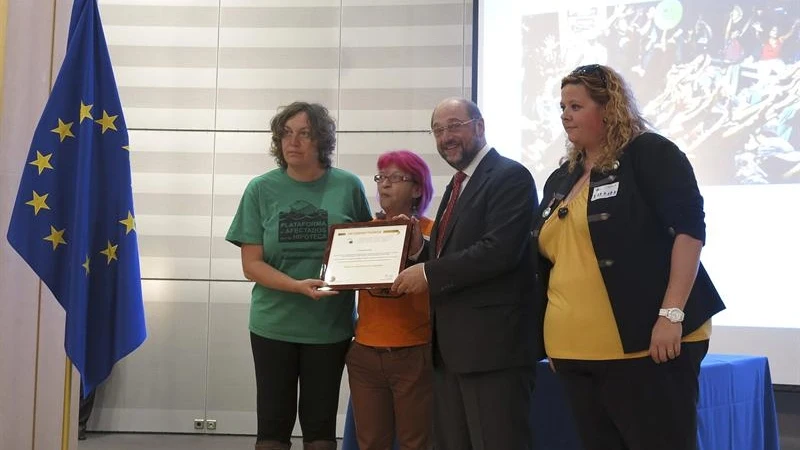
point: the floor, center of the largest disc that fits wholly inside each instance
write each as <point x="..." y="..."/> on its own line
<point x="146" y="441"/>
<point x="143" y="441"/>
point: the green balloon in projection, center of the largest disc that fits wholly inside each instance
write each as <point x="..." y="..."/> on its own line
<point x="668" y="14"/>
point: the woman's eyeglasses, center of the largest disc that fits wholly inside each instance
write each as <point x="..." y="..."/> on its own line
<point x="303" y="135"/>
<point x="591" y="70"/>
<point x="393" y="178"/>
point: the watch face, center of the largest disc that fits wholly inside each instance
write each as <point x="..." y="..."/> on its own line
<point x="672" y="314"/>
<point x="675" y="315"/>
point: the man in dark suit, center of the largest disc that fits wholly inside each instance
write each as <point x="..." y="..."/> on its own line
<point x="479" y="271"/>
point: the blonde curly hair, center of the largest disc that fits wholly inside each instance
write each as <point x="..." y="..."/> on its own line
<point x="621" y="115"/>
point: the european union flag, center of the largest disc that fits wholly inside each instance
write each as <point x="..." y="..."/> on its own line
<point x="73" y="220"/>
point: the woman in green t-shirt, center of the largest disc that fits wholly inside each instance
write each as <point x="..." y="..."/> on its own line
<point x="297" y="332"/>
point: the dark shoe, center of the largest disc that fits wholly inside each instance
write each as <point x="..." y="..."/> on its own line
<point x="81" y="434"/>
<point x="319" y="445"/>
<point x="272" y="445"/>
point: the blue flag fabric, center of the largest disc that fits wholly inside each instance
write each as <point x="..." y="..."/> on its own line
<point x="73" y="220"/>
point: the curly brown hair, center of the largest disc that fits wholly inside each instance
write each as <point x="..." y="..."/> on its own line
<point x="323" y="131"/>
<point x="621" y="115"/>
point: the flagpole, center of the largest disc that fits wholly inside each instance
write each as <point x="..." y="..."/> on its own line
<point x="67" y="404"/>
<point x="36" y="366"/>
<point x="3" y="17"/>
<point x="67" y="397"/>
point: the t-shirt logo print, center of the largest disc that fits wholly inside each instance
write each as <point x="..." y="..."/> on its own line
<point x="303" y="222"/>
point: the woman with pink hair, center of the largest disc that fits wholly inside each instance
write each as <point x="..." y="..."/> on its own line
<point x="389" y="361"/>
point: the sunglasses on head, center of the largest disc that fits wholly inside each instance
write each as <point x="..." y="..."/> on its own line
<point x="589" y="71"/>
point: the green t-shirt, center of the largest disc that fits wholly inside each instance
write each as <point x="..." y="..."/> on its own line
<point x="291" y="219"/>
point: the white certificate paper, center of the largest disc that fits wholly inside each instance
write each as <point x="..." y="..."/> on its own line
<point x="365" y="256"/>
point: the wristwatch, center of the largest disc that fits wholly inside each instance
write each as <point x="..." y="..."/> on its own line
<point x="674" y="315"/>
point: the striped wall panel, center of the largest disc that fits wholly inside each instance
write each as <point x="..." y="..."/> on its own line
<point x="200" y="79"/>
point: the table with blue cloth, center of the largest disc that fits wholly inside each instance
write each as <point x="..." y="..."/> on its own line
<point x="736" y="409"/>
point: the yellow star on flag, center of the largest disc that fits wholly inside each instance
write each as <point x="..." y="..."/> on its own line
<point x="42" y="161"/>
<point x="63" y="130"/>
<point x="56" y="237"/>
<point x="130" y="223"/>
<point x="39" y="202"/>
<point x="110" y="252"/>
<point x="86" y="113"/>
<point x="126" y="147"/>
<point x="85" y="265"/>
<point x="107" y="122"/>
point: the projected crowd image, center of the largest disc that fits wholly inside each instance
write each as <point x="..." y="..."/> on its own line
<point x="720" y="78"/>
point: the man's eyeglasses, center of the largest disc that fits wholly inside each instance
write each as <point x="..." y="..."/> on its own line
<point x="450" y="127"/>
<point x="303" y="135"/>
<point x="393" y="178"/>
<point x="591" y="70"/>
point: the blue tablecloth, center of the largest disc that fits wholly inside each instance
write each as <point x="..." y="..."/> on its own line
<point x="736" y="409"/>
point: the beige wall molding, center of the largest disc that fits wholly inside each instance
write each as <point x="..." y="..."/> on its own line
<point x="3" y="22"/>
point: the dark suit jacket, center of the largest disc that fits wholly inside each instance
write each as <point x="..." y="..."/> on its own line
<point x="633" y="231"/>
<point x="481" y="286"/>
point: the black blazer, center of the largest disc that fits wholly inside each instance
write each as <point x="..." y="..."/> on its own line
<point x="481" y="285"/>
<point x="633" y="231"/>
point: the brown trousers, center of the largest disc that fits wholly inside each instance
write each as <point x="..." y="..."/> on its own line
<point x="392" y="394"/>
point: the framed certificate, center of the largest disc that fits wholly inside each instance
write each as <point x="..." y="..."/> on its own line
<point x="365" y="255"/>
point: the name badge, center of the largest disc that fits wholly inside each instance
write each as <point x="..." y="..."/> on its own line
<point x="606" y="191"/>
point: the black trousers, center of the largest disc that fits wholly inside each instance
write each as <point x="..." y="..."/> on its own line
<point x="279" y="365"/>
<point x="635" y="404"/>
<point x="483" y="410"/>
<point x="85" y="409"/>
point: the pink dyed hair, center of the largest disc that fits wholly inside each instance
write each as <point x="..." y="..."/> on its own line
<point x="415" y="166"/>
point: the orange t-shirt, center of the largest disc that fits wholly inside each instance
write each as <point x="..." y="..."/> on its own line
<point x="395" y="321"/>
